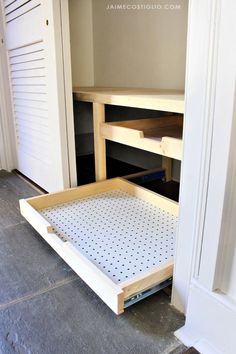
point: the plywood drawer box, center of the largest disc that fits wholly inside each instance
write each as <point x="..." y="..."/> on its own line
<point x="158" y="135"/>
<point x="118" y="237"/>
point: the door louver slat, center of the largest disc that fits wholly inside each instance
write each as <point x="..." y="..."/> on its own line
<point x="35" y="56"/>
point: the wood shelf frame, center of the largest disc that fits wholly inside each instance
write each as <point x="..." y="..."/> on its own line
<point x="158" y="135"/>
<point x="157" y="99"/>
<point x="158" y="138"/>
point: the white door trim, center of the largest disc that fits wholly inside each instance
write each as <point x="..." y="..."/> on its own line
<point x="198" y="129"/>
<point x="7" y="130"/>
<point x="210" y="322"/>
<point x="65" y="35"/>
<point x="208" y="187"/>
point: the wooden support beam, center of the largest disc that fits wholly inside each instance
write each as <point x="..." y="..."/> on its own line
<point x="99" y="142"/>
<point x="167" y="165"/>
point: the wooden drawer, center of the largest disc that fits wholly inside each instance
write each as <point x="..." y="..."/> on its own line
<point x="158" y="135"/>
<point x="118" y="237"/>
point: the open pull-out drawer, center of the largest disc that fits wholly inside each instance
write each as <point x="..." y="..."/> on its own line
<point x="159" y="135"/>
<point x="118" y="237"/>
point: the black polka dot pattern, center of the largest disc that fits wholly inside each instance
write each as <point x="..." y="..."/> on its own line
<point x="120" y="233"/>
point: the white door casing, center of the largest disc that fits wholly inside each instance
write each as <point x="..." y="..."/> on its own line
<point x="205" y="256"/>
<point x="36" y="65"/>
<point x="7" y="136"/>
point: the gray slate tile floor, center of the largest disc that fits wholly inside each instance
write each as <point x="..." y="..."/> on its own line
<point x="46" y="309"/>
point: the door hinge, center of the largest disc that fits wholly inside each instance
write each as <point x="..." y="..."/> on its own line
<point x="47" y="22"/>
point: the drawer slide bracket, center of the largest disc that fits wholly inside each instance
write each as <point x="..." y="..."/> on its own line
<point x="143" y="294"/>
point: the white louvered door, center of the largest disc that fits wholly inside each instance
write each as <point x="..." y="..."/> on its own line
<point x="34" y="45"/>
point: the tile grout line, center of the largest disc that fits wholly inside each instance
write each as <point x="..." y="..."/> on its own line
<point x="38" y="293"/>
<point x="13" y="225"/>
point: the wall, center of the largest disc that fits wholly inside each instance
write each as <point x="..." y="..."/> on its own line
<point x="81" y="34"/>
<point x="109" y="47"/>
<point x="140" y="48"/>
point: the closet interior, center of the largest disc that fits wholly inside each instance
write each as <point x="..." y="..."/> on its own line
<point x="128" y="72"/>
<point x="143" y="49"/>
